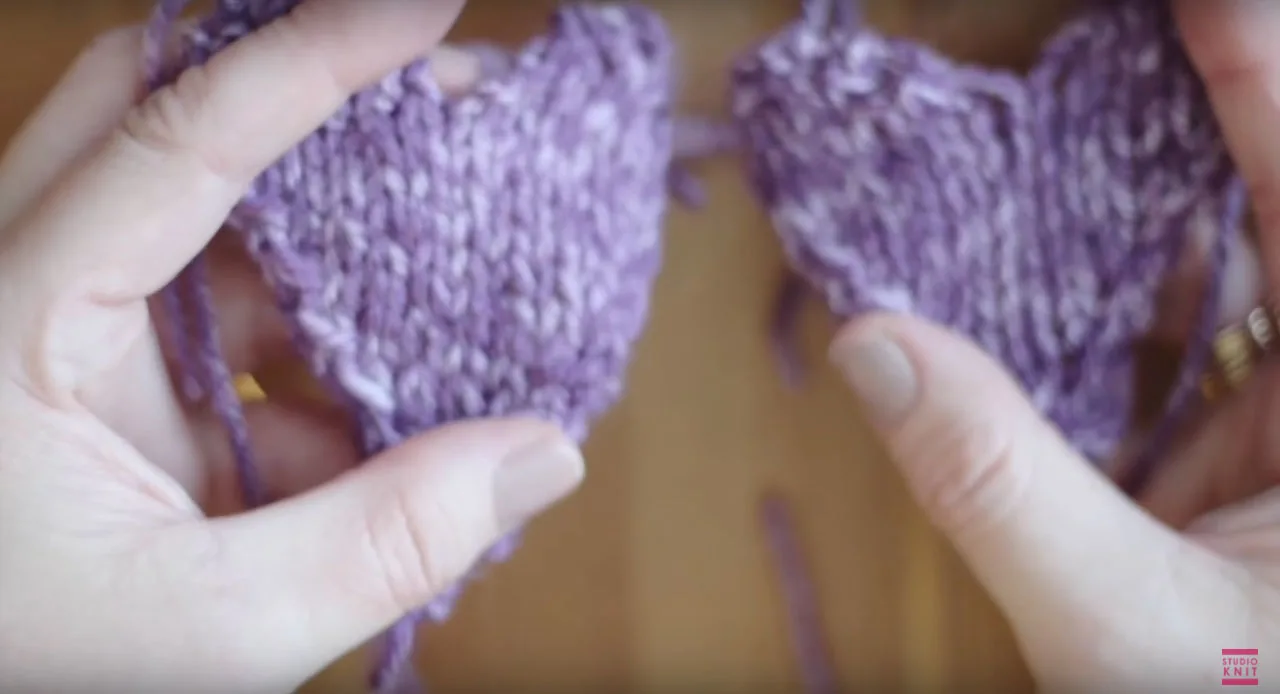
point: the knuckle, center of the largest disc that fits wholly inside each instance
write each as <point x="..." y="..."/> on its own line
<point x="38" y="365"/>
<point x="164" y="119"/>
<point x="169" y="121"/>
<point x="416" y="548"/>
<point x="51" y="353"/>
<point x="966" y="474"/>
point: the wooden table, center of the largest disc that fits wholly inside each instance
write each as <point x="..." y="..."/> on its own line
<point x="655" y="577"/>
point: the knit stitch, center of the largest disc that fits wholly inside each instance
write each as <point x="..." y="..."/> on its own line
<point x="1036" y="214"/>
<point x="450" y="257"/>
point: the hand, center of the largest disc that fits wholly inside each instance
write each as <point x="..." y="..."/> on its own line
<point x="114" y="573"/>
<point x="1102" y="593"/>
<point x="1101" y="596"/>
<point x="1237" y="456"/>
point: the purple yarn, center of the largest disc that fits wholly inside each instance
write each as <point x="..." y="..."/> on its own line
<point x="1038" y="215"/>
<point x="444" y="258"/>
<point x="812" y="651"/>
<point x="451" y="257"/>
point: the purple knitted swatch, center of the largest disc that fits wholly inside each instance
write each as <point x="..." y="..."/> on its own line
<point x="451" y="257"/>
<point x="1036" y="214"/>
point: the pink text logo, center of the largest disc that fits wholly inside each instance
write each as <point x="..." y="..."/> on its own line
<point x="1239" y="667"/>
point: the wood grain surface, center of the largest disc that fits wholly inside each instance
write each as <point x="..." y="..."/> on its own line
<point x="655" y="577"/>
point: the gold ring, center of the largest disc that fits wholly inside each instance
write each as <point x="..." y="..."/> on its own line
<point x="1238" y="348"/>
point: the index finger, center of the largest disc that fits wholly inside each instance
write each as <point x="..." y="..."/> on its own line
<point x="143" y="206"/>
<point x="1235" y="46"/>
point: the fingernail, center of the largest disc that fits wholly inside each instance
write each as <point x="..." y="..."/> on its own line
<point x="533" y="478"/>
<point x="455" y="70"/>
<point x="880" y="374"/>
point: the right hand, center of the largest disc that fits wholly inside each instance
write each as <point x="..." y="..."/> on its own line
<point x="1101" y="595"/>
<point x="1105" y="593"/>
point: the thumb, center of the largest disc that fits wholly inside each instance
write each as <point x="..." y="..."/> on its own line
<point x="1068" y="559"/>
<point x="336" y="566"/>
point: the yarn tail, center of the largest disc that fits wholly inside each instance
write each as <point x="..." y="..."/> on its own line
<point x="174" y="297"/>
<point x="189" y="301"/>
<point x="220" y="382"/>
<point x="393" y="671"/>
<point x="1184" y="398"/>
<point x="696" y="138"/>
<point x="783" y="328"/>
<point x="844" y="15"/>
<point x="811" y="649"/>
<point x="191" y="383"/>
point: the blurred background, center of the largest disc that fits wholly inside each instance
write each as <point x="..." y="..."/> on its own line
<point x="656" y="576"/>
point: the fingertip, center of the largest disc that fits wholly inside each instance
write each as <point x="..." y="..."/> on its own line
<point x="933" y="352"/>
<point x="876" y="365"/>
<point x="456" y="70"/>
<point x="994" y="475"/>
<point x="534" y="477"/>
<point x="376" y="37"/>
<point x="859" y="327"/>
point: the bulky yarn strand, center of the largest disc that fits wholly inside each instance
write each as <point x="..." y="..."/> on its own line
<point x="1036" y="214"/>
<point x="442" y="258"/>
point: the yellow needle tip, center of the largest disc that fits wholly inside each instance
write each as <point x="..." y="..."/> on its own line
<point x="248" y="389"/>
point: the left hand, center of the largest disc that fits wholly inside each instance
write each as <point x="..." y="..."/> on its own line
<point x="125" y="563"/>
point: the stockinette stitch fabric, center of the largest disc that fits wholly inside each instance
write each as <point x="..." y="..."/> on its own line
<point x="1038" y="214"/>
<point x="448" y="257"/>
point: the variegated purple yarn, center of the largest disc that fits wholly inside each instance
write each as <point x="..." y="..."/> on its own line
<point x="448" y="257"/>
<point x="1036" y="214"/>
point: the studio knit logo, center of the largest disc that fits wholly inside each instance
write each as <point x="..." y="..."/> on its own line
<point x="1239" y="667"/>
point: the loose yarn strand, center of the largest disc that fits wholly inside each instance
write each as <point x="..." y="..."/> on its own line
<point x="1185" y="397"/>
<point x="842" y="15"/>
<point x="393" y="671"/>
<point x="220" y="383"/>
<point x="174" y="296"/>
<point x="696" y="138"/>
<point x="783" y="328"/>
<point x="193" y="314"/>
<point x="812" y="651"/>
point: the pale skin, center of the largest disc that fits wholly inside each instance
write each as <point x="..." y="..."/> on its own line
<point x="125" y="563"/>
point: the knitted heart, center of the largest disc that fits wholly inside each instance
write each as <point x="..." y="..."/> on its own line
<point x="1036" y="214"/>
<point x="448" y="257"/>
